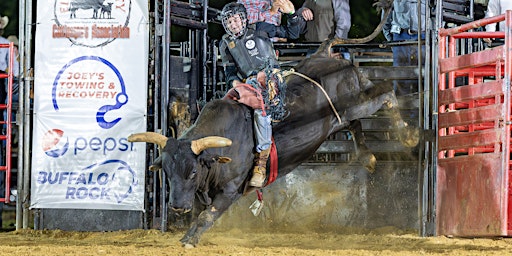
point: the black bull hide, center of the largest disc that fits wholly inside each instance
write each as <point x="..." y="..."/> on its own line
<point x="216" y="183"/>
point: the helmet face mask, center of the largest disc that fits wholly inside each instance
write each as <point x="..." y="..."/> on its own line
<point x="234" y="19"/>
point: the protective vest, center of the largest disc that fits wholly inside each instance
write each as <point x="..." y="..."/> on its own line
<point x="251" y="53"/>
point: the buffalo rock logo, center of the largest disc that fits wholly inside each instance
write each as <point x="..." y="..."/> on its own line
<point x="91" y="23"/>
<point x="122" y="181"/>
<point x="53" y="145"/>
<point x="110" y="180"/>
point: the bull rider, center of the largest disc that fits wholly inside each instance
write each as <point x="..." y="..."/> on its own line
<point x="248" y="55"/>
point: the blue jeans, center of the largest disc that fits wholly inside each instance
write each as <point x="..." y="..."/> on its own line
<point x="15" y="97"/>
<point x="263" y="130"/>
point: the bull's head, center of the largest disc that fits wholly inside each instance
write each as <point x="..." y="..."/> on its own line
<point x="186" y="168"/>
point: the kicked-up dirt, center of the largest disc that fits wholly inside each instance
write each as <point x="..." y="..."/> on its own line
<point x="384" y="241"/>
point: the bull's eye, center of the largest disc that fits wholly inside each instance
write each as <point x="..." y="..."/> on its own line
<point x="192" y="174"/>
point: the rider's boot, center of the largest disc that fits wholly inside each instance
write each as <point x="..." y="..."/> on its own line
<point x="260" y="169"/>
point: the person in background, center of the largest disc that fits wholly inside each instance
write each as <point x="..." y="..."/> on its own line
<point x="14" y="39"/>
<point x="15" y="90"/>
<point x="4" y="58"/>
<point x="4" y="69"/>
<point x="402" y="24"/>
<point x="331" y="18"/>
<point x="266" y="15"/>
<point x="495" y="8"/>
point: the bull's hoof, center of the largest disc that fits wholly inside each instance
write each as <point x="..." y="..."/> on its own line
<point x="368" y="160"/>
<point x="409" y="136"/>
<point x="188" y="246"/>
<point x="189" y="242"/>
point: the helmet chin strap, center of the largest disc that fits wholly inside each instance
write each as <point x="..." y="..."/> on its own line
<point x="240" y="33"/>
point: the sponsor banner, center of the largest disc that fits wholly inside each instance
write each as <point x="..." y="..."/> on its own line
<point x="90" y="83"/>
<point x="90" y="93"/>
<point x="79" y="166"/>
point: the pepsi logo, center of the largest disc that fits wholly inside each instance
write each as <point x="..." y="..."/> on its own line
<point x="53" y="145"/>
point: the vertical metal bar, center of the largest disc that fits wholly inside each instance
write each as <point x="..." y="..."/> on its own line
<point x="420" y="59"/>
<point x="164" y="89"/>
<point x="192" y="44"/>
<point x="426" y="164"/>
<point x="205" y="49"/>
<point x="471" y="16"/>
<point x="26" y="110"/>
<point x="163" y="202"/>
<point x="506" y="143"/>
<point x="472" y="9"/>
<point x="215" y="52"/>
<point x="451" y="84"/>
<point x="438" y="82"/>
<point x="158" y="45"/>
<point x="421" y="122"/>
<point x="155" y="198"/>
<point x="19" y="118"/>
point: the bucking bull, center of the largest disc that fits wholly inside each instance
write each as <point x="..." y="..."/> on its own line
<point x="210" y="165"/>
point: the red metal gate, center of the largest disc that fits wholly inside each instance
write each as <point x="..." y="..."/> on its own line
<point x="473" y="188"/>
<point x="5" y="139"/>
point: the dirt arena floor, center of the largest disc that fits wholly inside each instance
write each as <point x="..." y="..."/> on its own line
<point x="384" y="241"/>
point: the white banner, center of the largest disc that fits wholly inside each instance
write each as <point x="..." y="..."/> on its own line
<point x="90" y="94"/>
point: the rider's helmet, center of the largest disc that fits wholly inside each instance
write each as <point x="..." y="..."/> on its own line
<point x="230" y="10"/>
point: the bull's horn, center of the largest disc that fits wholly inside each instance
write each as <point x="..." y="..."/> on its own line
<point x="150" y="137"/>
<point x="209" y="142"/>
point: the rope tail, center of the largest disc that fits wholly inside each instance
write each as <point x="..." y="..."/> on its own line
<point x="293" y="72"/>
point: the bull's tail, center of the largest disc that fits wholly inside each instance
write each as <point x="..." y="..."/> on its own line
<point x="325" y="47"/>
<point x="407" y="135"/>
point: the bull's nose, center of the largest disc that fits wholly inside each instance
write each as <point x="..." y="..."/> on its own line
<point x="180" y="210"/>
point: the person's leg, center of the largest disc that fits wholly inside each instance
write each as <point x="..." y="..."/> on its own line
<point x="2" y="194"/>
<point x="263" y="130"/>
<point x="263" y="133"/>
<point x="3" y="85"/>
<point x="3" y="93"/>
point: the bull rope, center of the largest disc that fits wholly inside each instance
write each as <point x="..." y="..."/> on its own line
<point x="293" y="72"/>
<point x="258" y="96"/>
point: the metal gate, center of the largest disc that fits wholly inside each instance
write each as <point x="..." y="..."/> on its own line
<point x="474" y="132"/>
<point x="6" y="123"/>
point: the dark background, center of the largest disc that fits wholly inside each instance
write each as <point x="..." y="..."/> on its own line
<point x="364" y="17"/>
<point x="10" y="9"/>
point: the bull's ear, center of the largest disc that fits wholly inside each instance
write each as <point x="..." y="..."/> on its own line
<point x="155" y="167"/>
<point x="157" y="164"/>
<point x="222" y="159"/>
